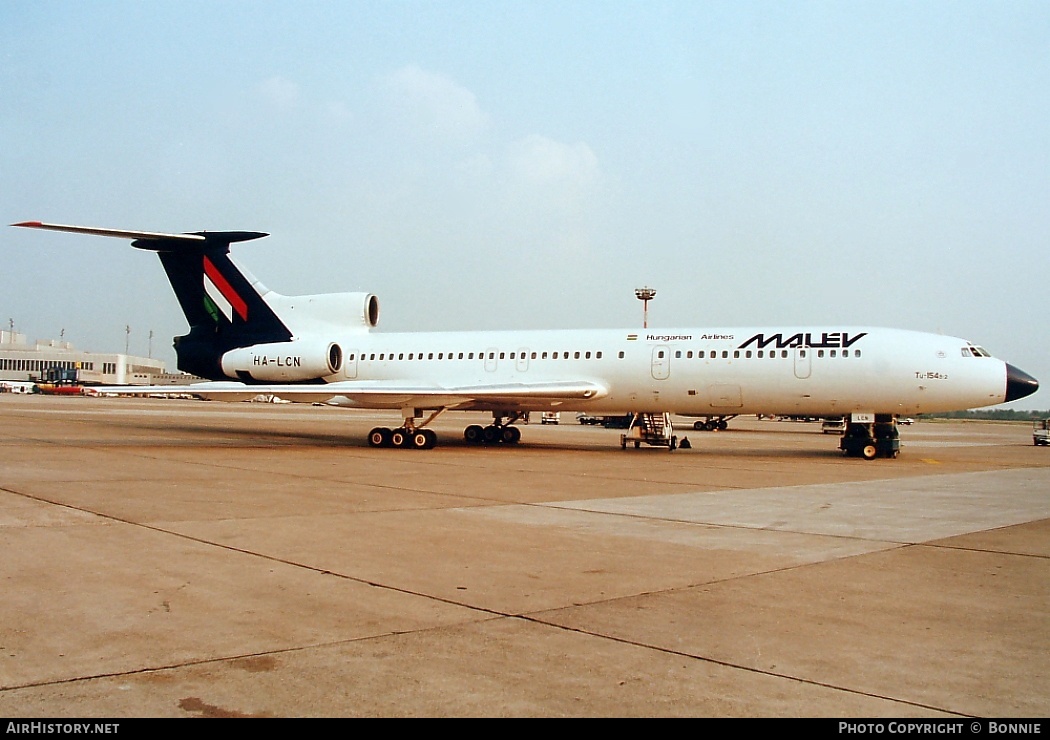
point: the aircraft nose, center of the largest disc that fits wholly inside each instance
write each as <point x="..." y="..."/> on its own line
<point x="1019" y="383"/>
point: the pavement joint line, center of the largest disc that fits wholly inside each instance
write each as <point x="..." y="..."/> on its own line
<point x="748" y="669"/>
<point x="523" y="617"/>
<point x="723" y="525"/>
<point x="687" y="522"/>
<point x="493" y="614"/>
<point x="339" y="479"/>
<point x="660" y="516"/>
<point x="252" y="553"/>
<point x="227" y="658"/>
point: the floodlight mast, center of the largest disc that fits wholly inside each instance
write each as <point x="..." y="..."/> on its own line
<point x="645" y="295"/>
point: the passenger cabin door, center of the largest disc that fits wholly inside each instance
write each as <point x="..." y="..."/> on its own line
<point x="661" y="367"/>
<point x="803" y="361"/>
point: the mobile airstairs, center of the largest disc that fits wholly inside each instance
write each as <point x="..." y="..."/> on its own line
<point x="652" y="429"/>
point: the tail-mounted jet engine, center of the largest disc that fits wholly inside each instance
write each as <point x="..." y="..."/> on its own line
<point x="283" y="361"/>
<point x="305" y="314"/>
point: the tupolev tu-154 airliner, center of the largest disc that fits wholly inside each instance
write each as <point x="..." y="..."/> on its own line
<point x="249" y="340"/>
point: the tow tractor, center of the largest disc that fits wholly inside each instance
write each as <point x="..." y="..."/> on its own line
<point x="870" y="436"/>
<point x="1041" y="432"/>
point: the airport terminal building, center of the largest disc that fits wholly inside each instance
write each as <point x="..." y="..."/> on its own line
<point x="25" y="362"/>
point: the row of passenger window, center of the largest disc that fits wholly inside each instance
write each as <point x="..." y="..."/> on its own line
<point x="747" y="354"/>
<point x="490" y="355"/>
<point x="597" y="355"/>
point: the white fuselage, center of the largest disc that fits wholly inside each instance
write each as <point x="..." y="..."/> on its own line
<point x="780" y="370"/>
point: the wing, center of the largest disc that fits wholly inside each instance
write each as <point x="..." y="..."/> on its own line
<point x="390" y="394"/>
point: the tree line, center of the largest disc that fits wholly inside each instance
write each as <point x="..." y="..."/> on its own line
<point x="990" y="415"/>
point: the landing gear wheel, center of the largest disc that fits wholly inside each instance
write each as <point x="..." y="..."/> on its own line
<point x="510" y="435"/>
<point x="379" y="437"/>
<point x="400" y="438"/>
<point x="419" y="439"/>
<point x="473" y="434"/>
<point x="431" y="438"/>
<point x="723" y="425"/>
<point x="490" y="435"/>
<point x="868" y="452"/>
<point x="710" y="426"/>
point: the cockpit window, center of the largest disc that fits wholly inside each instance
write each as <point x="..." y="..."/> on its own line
<point x="975" y="351"/>
<point x="965" y="351"/>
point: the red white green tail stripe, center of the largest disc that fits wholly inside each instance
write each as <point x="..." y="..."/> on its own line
<point x="220" y="295"/>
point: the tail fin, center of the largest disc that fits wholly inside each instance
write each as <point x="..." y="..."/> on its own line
<point x="222" y="302"/>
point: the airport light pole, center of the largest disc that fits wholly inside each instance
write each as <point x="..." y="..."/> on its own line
<point x="645" y="295"/>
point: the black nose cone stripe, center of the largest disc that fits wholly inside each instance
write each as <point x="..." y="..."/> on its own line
<point x="1019" y="383"/>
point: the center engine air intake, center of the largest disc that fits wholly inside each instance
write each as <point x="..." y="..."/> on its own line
<point x="284" y="361"/>
<point x="309" y="314"/>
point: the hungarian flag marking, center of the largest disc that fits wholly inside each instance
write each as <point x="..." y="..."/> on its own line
<point x="222" y="293"/>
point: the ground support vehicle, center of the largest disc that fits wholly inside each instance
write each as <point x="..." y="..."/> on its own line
<point x="652" y="429"/>
<point x="1041" y="432"/>
<point x="870" y="436"/>
<point x="836" y="425"/>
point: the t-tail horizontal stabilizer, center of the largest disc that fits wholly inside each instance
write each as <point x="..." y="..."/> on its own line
<point x="200" y="240"/>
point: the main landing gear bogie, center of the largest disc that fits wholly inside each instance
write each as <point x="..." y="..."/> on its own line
<point x="714" y="423"/>
<point x="492" y="434"/>
<point x="415" y="439"/>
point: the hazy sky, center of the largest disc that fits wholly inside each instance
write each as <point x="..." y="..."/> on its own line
<point x="484" y="165"/>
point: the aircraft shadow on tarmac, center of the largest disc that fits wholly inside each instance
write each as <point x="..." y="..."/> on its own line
<point x="258" y="435"/>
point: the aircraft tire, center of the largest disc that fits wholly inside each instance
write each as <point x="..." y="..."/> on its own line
<point x="510" y="435"/>
<point x="418" y="440"/>
<point x="473" y="434"/>
<point x="379" y="437"/>
<point x="491" y="434"/>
